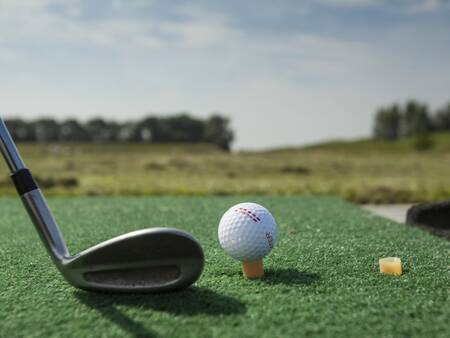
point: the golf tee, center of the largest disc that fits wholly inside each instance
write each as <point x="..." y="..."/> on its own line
<point x="391" y="266"/>
<point x="253" y="269"/>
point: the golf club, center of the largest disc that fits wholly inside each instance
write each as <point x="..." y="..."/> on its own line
<point x="149" y="260"/>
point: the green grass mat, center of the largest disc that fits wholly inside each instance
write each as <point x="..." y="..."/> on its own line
<point x="322" y="277"/>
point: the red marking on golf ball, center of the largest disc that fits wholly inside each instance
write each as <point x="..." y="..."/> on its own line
<point x="248" y="213"/>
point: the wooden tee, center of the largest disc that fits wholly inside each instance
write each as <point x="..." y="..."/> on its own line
<point x="391" y="266"/>
<point x="253" y="269"/>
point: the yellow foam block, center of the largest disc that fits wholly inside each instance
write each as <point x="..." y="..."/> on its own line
<point x="391" y="266"/>
<point x="253" y="269"/>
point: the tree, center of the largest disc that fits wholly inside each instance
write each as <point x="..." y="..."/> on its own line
<point x="415" y="120"/>
<point x="100" y="130"/>
<point x="46" y="130"/>
<point x="178" y="128"/>
<point x="387" y="121"/>
<point x="441" y="121"/>
<point x="129" y="132"/>
<point x="150" y="130"/>
<point x="423" y="142"/>
<point x="218" y="131"/>
<point x="73" y="131"/>
<point x="183" y="128"/>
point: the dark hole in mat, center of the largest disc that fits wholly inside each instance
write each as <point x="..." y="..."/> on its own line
<point x="433" y="216"/>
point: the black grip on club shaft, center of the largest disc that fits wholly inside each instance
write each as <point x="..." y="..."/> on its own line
<point x="24" y="181"/>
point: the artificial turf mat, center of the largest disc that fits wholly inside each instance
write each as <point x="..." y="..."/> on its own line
<point x="322" y="276"/>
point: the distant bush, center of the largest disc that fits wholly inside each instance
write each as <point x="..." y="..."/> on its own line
<point x="175" y="128"/>
<point x="423" y="142"/>
<point x="51" y="182"/>
<point x="298" y="170"/>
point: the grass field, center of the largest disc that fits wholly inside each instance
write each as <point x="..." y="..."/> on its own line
<point x="364" y="171"/>
<point x="322" y="276"/>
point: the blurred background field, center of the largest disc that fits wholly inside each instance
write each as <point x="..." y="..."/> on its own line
<point x="365" y="171"/>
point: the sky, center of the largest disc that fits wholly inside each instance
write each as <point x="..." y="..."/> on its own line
<point x="285" y="72"/>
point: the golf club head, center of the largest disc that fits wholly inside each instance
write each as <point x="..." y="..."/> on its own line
<point x="150" y="260"/>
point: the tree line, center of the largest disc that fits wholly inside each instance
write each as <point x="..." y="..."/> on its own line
<point x="176" y="128"/>
<point x="409" y="120"/>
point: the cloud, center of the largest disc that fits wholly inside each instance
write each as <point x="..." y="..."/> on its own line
<point x="59" y="22"/>
<point x="407" y="7"/>
<point x="200" y="28"/>
<point x="137" y="4"/>
<point x="44" y="23"/>
<point x="426" y="6"/>
<point x="352" y="3"/>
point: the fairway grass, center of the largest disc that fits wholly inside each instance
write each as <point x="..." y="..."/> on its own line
<point x="322" y="276"/>
<point x="362" y="172"/>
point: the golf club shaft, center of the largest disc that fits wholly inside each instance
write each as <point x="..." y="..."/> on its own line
<point x="9" y="149"/>
<point x="32" y="198"/>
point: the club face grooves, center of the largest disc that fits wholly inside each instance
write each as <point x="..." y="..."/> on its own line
<point x="159" y="276"/>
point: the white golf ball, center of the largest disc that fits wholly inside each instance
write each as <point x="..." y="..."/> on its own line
<point x="247" y="232"/>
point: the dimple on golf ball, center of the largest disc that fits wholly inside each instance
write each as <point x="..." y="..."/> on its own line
<point x="247" y="232"/>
